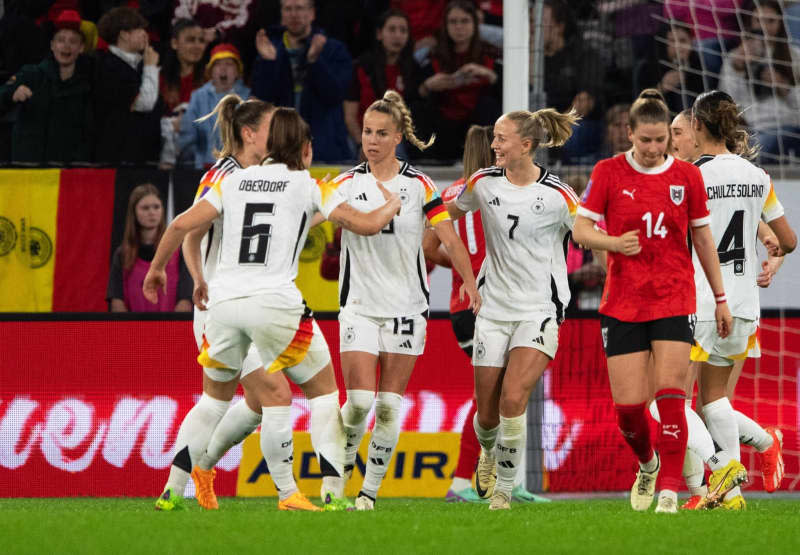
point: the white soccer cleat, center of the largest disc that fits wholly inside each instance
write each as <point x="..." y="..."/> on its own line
<point x="500" y="501"/>
<point x="364" y="503"/>
<point x="486" y="474"/>
<point x="666" y="504"/>
<point x="644" y="488"/>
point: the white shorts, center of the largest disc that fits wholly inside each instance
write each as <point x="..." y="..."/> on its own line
<point x="741" y="343"/>
<point x="285" y="339"/>
<point x="494" y="339"/>
<point x="404" y="335"/>
<point x="251" y="362"/>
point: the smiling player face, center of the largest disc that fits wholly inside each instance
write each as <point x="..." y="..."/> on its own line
<point x="508" y="145"/>
<point x="684" y="145"/>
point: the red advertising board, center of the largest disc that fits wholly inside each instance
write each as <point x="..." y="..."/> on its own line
<point x="91" y="408"/>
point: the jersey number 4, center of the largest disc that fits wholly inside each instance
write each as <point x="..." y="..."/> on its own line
<point x="731" y="246"/>
<point x="255" y="237"/>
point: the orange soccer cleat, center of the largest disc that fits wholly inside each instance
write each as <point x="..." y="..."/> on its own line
<point x="297" y="502"/>
<point x="694" y="503"/>
<point x="772" y="461"/>
<point x="204" y="487"/>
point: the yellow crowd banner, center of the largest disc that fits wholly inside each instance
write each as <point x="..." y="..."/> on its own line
<point x="28" y="214"/>
<point x="422" y="466"/>
<point x="321" y="294"/>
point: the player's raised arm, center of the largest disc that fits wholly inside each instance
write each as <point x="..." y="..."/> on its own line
<point x="202" y="213"/>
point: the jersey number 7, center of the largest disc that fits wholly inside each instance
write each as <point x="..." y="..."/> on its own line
<point x="255" y="237"/>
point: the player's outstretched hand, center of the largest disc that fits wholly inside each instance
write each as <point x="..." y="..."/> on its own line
<point x="389" y="196"/>
<point x="153" y="281"/>
<point x="724" y="320"/>
<point x="628" y="243"/>
<point x="772" y="245"/>
<point x="475" y="300"/>
<point x="200" y="295"/>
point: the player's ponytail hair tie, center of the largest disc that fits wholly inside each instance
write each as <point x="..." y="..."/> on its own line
<point x="232" y="114"/>
<point x="546" y="127"/>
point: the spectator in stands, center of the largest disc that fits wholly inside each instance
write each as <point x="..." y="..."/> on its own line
<point x="767" y="17"/>
<point x="224" y="70"/>
<point x="182" y="70"/>
<point x="390" y="65"/>
<point x="144" y="226"/>
<point x="425" y="18"/>
<point x="741" y="67"/>
<point x="127" y="106"/>
<point x="298" y="66"/>
<point x="775" y="115"/>
<point x="616" y="137"/>
<point x="54" y="122"/>
<point x="460" y="81"/>
<point x="222" y="21"/>
<point x="674" y="68"/>
<point x="23" y="40"/>
<point x="716" y="27"/>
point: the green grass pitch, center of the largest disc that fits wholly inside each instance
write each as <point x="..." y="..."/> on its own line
<point x="407" y="526"/>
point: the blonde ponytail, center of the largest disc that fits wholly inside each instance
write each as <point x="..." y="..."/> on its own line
<point x="233" y="113"/>
<point x="546" y="127"/>
<point x="394" y="105"/>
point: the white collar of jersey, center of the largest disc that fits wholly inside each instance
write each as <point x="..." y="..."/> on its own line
<point x="403" y="166"/>
<point x="653" y="171"/>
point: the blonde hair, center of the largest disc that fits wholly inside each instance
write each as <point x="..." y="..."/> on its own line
<point x="543" y="124"/>
<point x="478" y="151"/>
<point x="233" y="113"/>
<point x="392" y="104"/>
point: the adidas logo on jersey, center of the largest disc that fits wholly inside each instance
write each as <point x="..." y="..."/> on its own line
<point x="539" y="340"/>
<point x="495" y="201"/>
<point x="406" y="344"/>
<point x="362" y="196"/>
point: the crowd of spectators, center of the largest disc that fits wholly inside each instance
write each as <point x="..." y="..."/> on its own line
<point x="114" y="82"/>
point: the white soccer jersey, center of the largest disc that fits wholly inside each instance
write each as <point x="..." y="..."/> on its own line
<point x="266" y="212"/>
<point x="384" y="275"/>
<point x="209" y="246"/>
<point x="527" y="228"/>
<point x="739" y="193"/>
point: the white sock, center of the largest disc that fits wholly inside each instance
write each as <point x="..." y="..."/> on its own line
<point x="193" y="437"/>
<point x="486" y="438"/>
<point x="238" y="423"/>
<point x="721" y="422"/>
<point x="460" y="484"/>
<point x="278" y="448"/>
<point x="509" y="448"/>
<point x="693" y="470"/>
<point x="733" y="493"/>
<point x="354" y="416"/>
<point x="750" y="433"/>
<point x="327" y="433"/>
<point x="383" y="441"/>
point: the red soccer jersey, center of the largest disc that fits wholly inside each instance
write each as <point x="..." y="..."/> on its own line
<point x="661" y="203"/>
<point x="470" y="230"/>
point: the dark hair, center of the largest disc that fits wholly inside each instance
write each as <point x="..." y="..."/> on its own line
<point x="478" y="151"/>
<point x="560" y="12"/>
<point x="233" y="113"/>
<point x="718" y="113"/>
<point x="405" y="61"/>
<point x="171" y="66"/>
<point x="117" y="20"/>
<point x="132" y="236"/>
<point x="288" y="136"/>
<point x="649" y="107"/>
<point x="445" y="51"/>
<point x="781" y="52"/>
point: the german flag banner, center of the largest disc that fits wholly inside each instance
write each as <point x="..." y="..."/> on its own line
<point x="55" y="230"/>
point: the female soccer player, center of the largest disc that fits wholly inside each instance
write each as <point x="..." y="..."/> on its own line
<point x="243" y="128"/>
<point x="649" y="201"/>
<point x="527" y="215"/>
<point x="383" y="291"/>
<point x="739" y="194"/>
<point x="252" y="295"/>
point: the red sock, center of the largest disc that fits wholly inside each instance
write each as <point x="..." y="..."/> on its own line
<point x="633" y="424"/>
<point x="672" y="437"/>
<point x="469" y="449"/>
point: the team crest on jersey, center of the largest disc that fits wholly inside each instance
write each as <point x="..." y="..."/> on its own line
<point x="349" y="335"/>
<point x="538" y="206"/>
<point x="676" y="194"/>
<point x="403" y="194"/>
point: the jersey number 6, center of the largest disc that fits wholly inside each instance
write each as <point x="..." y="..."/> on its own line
<point x="255" y="237"/>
